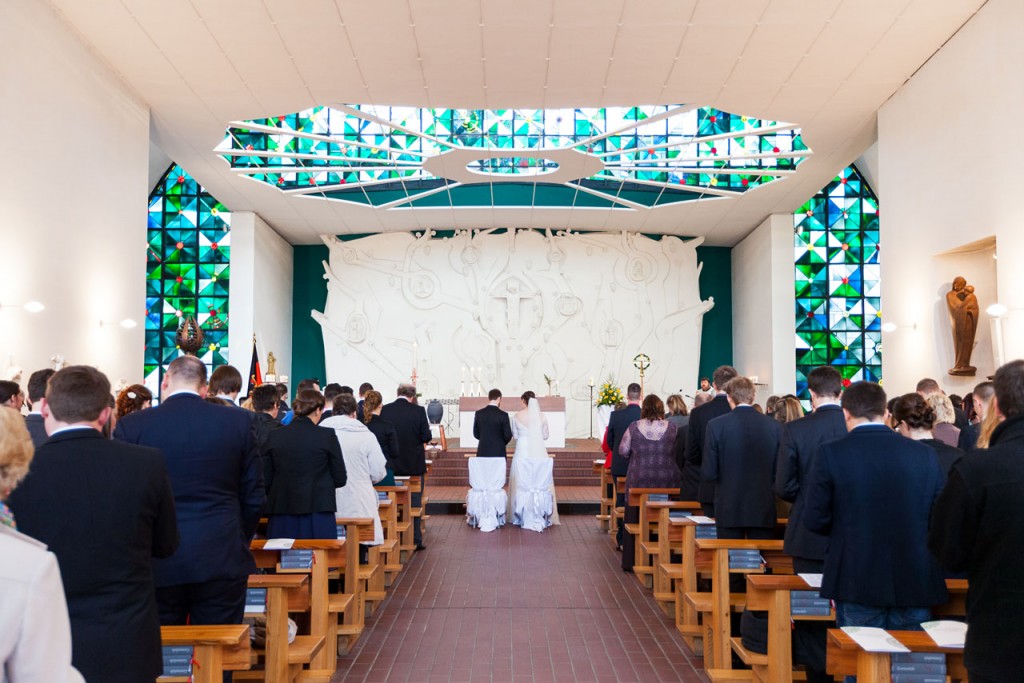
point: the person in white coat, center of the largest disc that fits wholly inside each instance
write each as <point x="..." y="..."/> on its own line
<point x="364" y="463"/>
<point x="35" y="632"/>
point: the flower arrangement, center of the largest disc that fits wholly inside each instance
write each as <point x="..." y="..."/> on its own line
<point x="609" y="394"/>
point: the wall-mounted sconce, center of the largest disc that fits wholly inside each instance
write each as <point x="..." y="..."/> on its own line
<point x="127" y="323"/>
<point x="997" y="312"/>
<point x="31" y="306"/>
<point x="892" y="327"/>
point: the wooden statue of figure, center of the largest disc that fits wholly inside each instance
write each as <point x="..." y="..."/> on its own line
<point x="963" y="315"/>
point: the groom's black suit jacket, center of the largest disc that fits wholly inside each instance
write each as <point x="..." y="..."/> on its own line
<point x="493" y="429"/>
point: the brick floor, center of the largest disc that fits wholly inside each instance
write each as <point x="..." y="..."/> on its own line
<point x="514" y="606"/>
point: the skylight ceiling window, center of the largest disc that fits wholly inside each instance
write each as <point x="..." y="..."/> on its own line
<point x="623" y="158"/>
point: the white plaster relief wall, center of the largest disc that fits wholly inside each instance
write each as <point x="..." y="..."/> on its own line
<point x="517" y="305"/>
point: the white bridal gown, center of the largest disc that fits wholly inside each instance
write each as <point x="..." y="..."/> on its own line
<point x="531" y="487"/>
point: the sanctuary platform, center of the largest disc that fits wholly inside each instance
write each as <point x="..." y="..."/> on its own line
<point x="574" y="464"/>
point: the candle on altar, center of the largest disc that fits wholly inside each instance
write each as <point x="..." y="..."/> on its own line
<point x="591" y="382"/>
<point x="463" y="373"/>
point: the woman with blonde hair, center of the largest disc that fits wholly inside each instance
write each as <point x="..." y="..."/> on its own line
<point x="787" y="409"/>
<point x="35" y="632"/>
<point x="944" y="429"/>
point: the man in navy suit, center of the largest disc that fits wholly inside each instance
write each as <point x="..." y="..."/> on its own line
<point x="739" y="458"/>
<point x="492" y="428"/>
<point x="871" y="494"/>
<point x="694" y="487"/>
<point x="410" y="421"/>
<point x="618" y="423"/>
<point x="800" y="444"/>
<point x="105" y="509"/>
<point x="214" y="464"/>
<point x="36" y="391"/>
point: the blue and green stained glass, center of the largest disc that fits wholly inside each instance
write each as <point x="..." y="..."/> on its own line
<point x="187" y="271"/>
<point x="838" y="296"/>
<point x="628" y="157"/>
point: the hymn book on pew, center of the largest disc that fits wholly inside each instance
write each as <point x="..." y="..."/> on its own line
<point x="177" y="660"/>
<point x="296" y="559"/>
<point x="255" y="600"/>
<point x="918" y="667"/>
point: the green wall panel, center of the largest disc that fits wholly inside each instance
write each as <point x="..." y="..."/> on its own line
<point x="716" y="335"/>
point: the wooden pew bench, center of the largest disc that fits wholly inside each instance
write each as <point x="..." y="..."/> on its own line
<point x="666" y="572"/>
<point x="401" y="495"/>
<point x="716" y="615"/>
<point x="618" y="511"/>
<point x="607" y="501"/>
<point x="281" y="660"/>
<point x="846" y="658"/>
<point x="215" y="649"/>
<point x="641" y="530"/>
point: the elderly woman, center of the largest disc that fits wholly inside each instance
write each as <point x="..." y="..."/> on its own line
<point x="385" y="432"/>
<point x="944" y="429"/>
<point x="302" y="466"/>
<point x="913" y="417"/>
<point x="648" y="445"/>
<point x="364" y="462"/>
<point x="35" y="633"/>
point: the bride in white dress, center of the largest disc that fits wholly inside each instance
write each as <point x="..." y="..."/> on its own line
<point x="530" y="430"/>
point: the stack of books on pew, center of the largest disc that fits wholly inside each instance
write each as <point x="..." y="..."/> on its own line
<point x="177" y="660"/>
<point x="296" y="559"/>
<point x="707" y="531"/>
<point x="341" y="532"/>
<point x="918" y="667"/>
<point x="679" y="514"/>
<point x="657" y="498"/>
<point x="255" y="600"/>
<point x="745" y="559"/>
<point x="809" y="604"/>
<point x="382" y="496"/>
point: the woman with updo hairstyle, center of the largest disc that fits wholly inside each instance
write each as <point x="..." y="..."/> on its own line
<point x="385" y="432"/>
<point x="913" y="417"/>
<point x="944" y="429"/>
<point x="649" y="447"/>
<point x="132" y="399"/>
<point x="787" y="409"/>
<point x="302" y="466"/>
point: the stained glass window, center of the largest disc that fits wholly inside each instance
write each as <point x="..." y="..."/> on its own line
<point x="187" y="271"/>
<point x="838" y="304"/>
<point x="620" y="158"/>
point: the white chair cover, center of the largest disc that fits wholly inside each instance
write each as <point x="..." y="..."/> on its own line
<point x="532" y="505"/>
<point x="486" y="500"/>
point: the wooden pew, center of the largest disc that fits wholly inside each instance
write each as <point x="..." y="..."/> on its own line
<point x="402" y="497"/>
<point x="771" y="593"/>
<point x="721" y="602"/>
<point x="643" y="547"/>
<point x="216" y="649"/>
<point x="370" y="575"/>
<point x="618" y="513"/>
<point x="683" y="534"/>
<point x="666" y="572"/>
<point x="607" y="503"/>
<point x="327" y="554"/>
<point x="846" y="658"/>
<point x="284" y="661"/>
<point x="407" y="544"/>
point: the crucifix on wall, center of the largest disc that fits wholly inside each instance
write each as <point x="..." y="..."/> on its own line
<point x="513" y="291"/>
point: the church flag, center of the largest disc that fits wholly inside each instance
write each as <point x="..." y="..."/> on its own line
<point x="255" y="378"/>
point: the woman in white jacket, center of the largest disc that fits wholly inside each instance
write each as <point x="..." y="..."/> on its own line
<point x="364" y="463"/>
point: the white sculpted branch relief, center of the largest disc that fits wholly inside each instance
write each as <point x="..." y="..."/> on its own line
<point x="512" y="307"/>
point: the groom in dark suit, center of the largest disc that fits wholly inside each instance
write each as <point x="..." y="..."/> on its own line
<point x="492" y="428"/>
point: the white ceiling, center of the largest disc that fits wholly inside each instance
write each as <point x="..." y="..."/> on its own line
<point x="826" y="65"/>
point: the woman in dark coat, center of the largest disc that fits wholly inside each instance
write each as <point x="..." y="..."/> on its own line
<point x="385" y="432"/>
<point x="302" y="468"/>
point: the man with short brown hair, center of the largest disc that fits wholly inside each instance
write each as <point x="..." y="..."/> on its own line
<point x="105" y="508"/>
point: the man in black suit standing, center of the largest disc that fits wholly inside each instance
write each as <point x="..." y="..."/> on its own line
<point x="739" y="458"/>
<point x="871" y="494"/>
<point x="978" y="526"/>
<point x="694" y="487"/>
<point x="492" y="428"/>
<point x="410" y="421"/>
<point x="211" y="455"/>
<point x="800" y="443"/>
<point x="105" y="509"/>
<point x="618" y="423"/>
<point x="36" y="391"/>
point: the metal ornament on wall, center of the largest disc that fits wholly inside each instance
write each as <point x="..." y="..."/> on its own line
<point x="189" y="336"/>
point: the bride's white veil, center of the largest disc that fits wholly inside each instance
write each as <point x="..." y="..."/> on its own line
<point x="535" y="431"/>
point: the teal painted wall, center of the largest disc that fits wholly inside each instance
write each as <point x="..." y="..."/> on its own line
<point x="310" y="293"/>
<point x="716" y="334"/>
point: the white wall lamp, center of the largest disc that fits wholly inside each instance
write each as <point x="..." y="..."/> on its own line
<point x="31" y="306"/>
<point x="127" y="323"/>
<point x="892" y="327"/>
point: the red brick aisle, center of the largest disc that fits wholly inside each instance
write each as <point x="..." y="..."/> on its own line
<point x="516" y="606"/>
